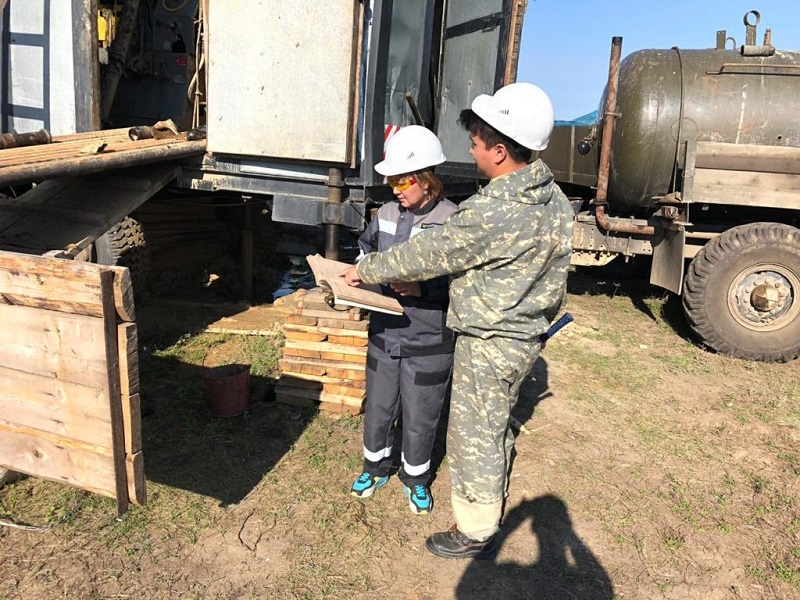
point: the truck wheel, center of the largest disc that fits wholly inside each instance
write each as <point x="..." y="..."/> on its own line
<point x="741" y="295"/>
<point x="124" y="245"/>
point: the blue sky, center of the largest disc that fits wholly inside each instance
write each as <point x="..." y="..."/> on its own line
<point x="566" y="43"/>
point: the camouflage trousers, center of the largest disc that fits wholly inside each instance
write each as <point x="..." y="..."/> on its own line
<point x="487" y="375"/>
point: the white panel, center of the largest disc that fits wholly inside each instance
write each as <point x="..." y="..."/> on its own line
<point x="26" y="86"/>
<point x="27" y="16"/>
<point x="22" y="125"/>
<point x="62" y="72"/>
<point x="280" y="78"/>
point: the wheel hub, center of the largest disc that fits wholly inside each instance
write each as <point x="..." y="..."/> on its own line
<point x="765" y="298"/>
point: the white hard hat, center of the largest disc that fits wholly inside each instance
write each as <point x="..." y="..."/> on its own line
<point x="522" y="111"/>
<point x="413" y="148"/>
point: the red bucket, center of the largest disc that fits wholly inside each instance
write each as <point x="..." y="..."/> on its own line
<point x="228" y="389"/>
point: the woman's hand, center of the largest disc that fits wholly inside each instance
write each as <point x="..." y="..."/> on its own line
<point x="407" y="289"/>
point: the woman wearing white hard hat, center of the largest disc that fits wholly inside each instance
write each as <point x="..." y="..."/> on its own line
<point x="409" y="357"/>
<point x="508" y="247"/>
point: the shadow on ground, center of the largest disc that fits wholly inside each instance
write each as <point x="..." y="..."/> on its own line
<point x="564" y="567"/>
<point x="186" y="445"/>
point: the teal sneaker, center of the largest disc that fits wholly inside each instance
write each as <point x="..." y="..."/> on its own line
<point x="419" y="499"/>
<point x="366" y="484"/>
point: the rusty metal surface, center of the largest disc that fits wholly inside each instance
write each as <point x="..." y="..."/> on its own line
<point x="609" y="117"/>
<point x="85" y="153"/>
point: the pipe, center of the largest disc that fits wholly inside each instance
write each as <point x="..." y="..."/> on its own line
<point x="117" y="56"/>
<point x="17" y="140"/>
<point x="332" y="229"/>
<point x="609" y="116"/>
<point x="248" y="252"/>
<point x="84" y="165"/>
<point x="620" y="226"/>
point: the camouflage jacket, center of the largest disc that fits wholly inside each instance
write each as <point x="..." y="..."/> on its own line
<point x="508" y="248"/>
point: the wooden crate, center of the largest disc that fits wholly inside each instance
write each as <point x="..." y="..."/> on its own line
<point x="69" y="383"/>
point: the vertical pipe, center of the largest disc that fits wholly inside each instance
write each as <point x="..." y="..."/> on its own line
<point x="609" y="116"/>
<point x="247" y="252"/>
<point x="117" y="56"/>
<point x="609" y="119"/>
<point x="332" y="229"/>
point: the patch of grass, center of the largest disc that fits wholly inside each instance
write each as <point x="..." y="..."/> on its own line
<point x="724" y="527"/>
<point x="786" y="573"/>
<point x="758" y="573"/>
<point x="665" y="586"/>
<point x="263" y="354"/>
<point x="673" y="539"/>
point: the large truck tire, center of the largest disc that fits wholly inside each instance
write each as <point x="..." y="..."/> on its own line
<point x="124" y="245"/>
<point x="741" y="294"/>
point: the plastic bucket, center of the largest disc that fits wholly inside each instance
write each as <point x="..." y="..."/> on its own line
<point x="228" y="389"/>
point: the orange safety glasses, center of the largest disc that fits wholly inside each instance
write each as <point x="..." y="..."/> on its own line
<point x="401" y="184"/>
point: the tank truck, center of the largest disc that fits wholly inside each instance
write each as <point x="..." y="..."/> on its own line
<point x="694" y="163"/>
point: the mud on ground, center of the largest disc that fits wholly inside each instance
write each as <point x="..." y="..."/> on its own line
<point x="649" y="469"/>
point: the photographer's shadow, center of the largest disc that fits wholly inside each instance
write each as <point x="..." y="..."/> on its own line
<point x="563" y="569"/>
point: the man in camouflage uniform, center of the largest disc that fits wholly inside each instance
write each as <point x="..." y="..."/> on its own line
<point x="508" y="249"/>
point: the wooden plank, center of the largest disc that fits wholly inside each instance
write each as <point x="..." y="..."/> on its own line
<point x="748" y="157"/>
<point x="302" y="353"/>
<point x="300" y="320"/>
<point x="745" y="188"/>
<point x="128" y="338"/>
<point x="341" y="357"/>
<point x="320" y="395"/>
<point x="65" y="346"/>
<point x="353" y="383"/>
<point x="111" y="347"/>
<point x="342" y="324"/>
<point x="299" y="382"/>
<point x="344" y="390"/>
<point x="115" y="156"/>
<point x="55" y="407"/>
<point x="137" y="485"/>
<point x="130" y="402"/>
<point x="349" y="340"/>
<point x="123" y="293"/>
<point x="304" y="304"/>
<point x="58" y="459"/>
<point x="64" y="286"/>
<point x="326" y="330"/>
<point x="355" y="371"/>
<point x="331" y="314"/>
<point x="302" y="336"/>
<point x="334" y="408"/>
<point x="132" y="423"/>
<point x="327" y="347"/>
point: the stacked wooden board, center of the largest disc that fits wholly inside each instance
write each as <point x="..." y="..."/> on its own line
<point x="69" y="383"/>
<point x="324" y="356"/>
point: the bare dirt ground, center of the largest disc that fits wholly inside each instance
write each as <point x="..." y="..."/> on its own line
<point x="648" y="468"/>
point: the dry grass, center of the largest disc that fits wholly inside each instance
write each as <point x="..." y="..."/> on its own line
<point x="654" y="470"/>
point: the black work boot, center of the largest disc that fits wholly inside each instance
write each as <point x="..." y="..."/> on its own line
<point x="454" y="544"/>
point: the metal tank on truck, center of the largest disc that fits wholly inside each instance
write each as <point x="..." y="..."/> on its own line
<point x="697" y="156"/>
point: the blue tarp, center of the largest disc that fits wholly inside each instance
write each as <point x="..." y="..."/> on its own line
<point x="587" y="119"/>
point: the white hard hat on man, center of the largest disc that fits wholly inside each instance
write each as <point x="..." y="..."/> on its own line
<point x="521" y="111"/>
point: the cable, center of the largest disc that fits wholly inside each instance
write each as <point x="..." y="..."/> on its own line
<point x="175" y="8"/>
